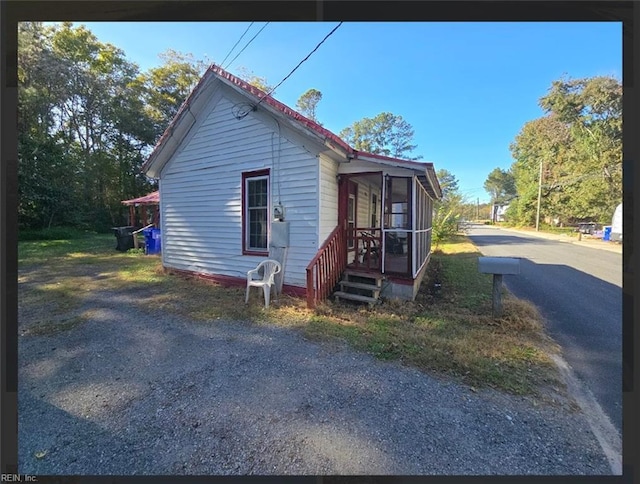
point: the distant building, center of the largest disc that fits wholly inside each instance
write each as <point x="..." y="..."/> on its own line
<point x="499" y="210"/>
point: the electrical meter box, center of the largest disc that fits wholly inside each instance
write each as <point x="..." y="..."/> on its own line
<point x="278" y="212"/>
<point x="279" y="234"/>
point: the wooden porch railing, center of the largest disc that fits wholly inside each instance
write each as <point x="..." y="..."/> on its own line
<point x="325" y="269"/>
<point x="367" y="244"/>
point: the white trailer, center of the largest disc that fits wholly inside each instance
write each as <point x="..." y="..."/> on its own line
<point x="616" y="225"/>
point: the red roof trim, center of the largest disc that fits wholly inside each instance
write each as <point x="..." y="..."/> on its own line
<point x="150" y="199"/>
<point x="260" y="94"/>
<point x="303" y="120"/>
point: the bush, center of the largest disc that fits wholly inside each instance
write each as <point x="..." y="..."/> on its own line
<point x="444" y="225"/>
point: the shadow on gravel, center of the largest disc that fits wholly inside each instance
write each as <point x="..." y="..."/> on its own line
<point x="135" y="391"/>
<point x="55" y="442"/>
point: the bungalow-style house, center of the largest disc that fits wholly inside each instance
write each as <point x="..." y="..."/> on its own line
<point x="242" y="176"/>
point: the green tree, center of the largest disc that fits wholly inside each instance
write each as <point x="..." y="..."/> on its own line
<point x="82" y="131"/>
<point x="45" y="190"/>
<point x="501" y="185"/>
<point x="542" y="141"/>
<point x="592" y="108"/>
<point x="385" y="134"/>
<point x="579" y="145"/>
<point x="448" y="183"/>
<point x="308" y="103"/>
<point x="164" y="88"/>
<point x="256" y="81"/>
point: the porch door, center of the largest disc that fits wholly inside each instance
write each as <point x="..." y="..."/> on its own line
<point x="398" y="226"/>
<point x="348" y="212"/>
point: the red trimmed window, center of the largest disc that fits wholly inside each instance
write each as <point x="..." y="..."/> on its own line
<point x="255" y="212"/>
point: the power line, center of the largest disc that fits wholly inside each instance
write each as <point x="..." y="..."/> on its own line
<point x="300" y="63"/>
<point x="246" y="45"/>
<point x="234" y="46"/>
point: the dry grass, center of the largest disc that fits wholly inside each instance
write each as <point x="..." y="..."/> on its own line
<point x="448" y="330"/>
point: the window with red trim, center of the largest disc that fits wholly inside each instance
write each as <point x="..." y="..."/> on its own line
<point x="255" y="212"/>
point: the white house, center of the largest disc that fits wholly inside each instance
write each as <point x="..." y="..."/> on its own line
<point x="241" y="174"/>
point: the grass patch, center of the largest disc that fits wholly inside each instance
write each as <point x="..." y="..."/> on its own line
<point x="449" y="328"/>
<point x="87" y="246"/>
<point x="54" y="233"/>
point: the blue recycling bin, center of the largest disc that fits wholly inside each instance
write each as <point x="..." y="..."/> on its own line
<point x="152" y="238"/>
<point x="606" y="234"/>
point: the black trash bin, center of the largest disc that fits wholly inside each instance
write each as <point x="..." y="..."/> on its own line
<point x="124" y="238"/>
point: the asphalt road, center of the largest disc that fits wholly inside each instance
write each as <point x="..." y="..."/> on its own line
<point x="579" y="292"/>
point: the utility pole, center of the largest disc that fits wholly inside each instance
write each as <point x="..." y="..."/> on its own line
<point x="478" y="208"/>
<point x="539" y="197"/>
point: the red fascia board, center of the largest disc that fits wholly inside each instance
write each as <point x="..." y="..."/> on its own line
<point x="283" y="108"/>
<point x="151" y="198"/>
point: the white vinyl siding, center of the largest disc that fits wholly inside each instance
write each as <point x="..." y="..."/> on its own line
<point x="328" y="198"/>
<point x="366" y="188"/>
<point x="201" y="194"/>
<point x="363" y="205"/>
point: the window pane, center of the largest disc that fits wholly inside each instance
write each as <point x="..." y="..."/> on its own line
<point x="258" y="196"/>
<point x="396" y="206"/>
<point x="256" y="212"/>
<point x="258" y="228"/>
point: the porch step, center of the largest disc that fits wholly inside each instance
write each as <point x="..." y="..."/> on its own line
<point x="367" y="275"/>
<point x="355" y="297"/>
<point x="360" y="285"/>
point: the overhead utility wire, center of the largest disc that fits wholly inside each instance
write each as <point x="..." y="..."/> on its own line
<point x="246" y="45"/>
<point x="299" y="64"/>
<point x="234" y="46"/>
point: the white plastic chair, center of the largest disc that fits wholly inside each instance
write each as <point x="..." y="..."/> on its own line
<point x="269" y="269"/>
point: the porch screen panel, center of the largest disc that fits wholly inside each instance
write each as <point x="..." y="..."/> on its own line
<point x="397" y="225"/>
<point x="423" y="226"/>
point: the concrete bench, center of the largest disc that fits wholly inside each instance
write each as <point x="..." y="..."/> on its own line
<point x="498" y="266"/>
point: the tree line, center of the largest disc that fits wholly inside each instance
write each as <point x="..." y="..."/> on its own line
<point x="571" y="158"/>
<point x="88" y="118"/>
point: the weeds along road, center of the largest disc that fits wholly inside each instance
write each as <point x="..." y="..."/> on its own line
<point x="579" y="292"/>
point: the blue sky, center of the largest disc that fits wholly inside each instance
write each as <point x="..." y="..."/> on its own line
<point x="466" y="88"/>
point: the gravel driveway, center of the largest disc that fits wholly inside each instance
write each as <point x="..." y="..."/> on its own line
<point x="136" y="391"/>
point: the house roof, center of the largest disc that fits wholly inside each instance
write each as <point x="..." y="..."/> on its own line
<point x="150" y="199"/>
<point x="330" y="139"/>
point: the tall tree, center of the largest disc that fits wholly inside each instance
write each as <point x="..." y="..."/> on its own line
<point x="41" y="167"/>
<point x="260" y="82"/>
<point x="308" y="102"/>
<point x="501" y="185"/>
<point x="385" y="134"/>
<point x="165" y="87"/>
<point x="579" y="145"/>
<point x="82" y="129"/>
<point x="592" y="107"/>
